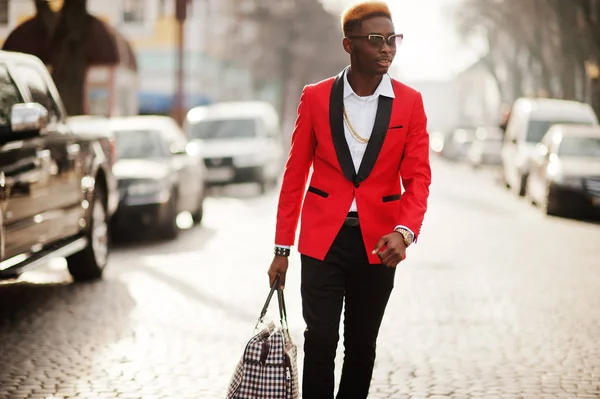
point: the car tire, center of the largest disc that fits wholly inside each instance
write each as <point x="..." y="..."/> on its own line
<point x="522" y="185"/>
<point x="169" y="230"/>
<point x="551" y="206"/>
<point x="89" y="263"/>
<point x="503" y="179"/>
<point x="197" y="216"/>
<point x="528" y="196"/>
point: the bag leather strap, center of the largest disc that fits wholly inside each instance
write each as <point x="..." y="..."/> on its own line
<point x="281" y="302"/>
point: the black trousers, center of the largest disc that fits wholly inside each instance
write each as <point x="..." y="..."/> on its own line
<point x="344" y="275"/>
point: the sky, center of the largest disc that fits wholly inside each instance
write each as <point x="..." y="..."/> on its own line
<point x="431" y="49"/>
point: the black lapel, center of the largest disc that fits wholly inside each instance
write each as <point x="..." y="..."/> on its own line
<point x="336" y="123"/>
<point x="380" y="128"/>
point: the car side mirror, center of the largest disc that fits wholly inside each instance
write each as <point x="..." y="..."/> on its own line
<point x="28" y="118"/>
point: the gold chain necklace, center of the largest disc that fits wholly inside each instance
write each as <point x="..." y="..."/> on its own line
<point x="354" y="133"/>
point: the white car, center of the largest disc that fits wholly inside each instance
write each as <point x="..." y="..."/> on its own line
<point x="565" y="172"/>
<point x="529" y="121"/>
<point x="159" y="172"/>
<point x="487" y="147"/>
<point x="240" y="142"/>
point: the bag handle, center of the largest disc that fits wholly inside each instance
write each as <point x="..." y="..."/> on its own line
<point x="281" y="302"/>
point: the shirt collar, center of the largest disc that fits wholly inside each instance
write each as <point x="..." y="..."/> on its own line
<point x="385" y="87"/>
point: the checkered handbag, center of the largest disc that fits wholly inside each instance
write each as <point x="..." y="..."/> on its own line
<point x="267" y="369"/>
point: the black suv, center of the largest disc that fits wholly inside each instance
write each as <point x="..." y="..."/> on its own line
<point x="57" y="190"/>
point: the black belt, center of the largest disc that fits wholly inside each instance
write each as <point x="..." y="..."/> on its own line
<point x="352" y="220"/>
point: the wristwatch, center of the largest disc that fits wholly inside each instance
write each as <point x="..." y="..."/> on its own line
<point x="406" y="235"/>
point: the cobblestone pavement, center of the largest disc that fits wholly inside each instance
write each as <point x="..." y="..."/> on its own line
<point x="495" y="301"/>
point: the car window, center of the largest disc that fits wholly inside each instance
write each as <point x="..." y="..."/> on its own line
<point x="39" y="90"/>
<point x="223" y="129"/>
<point x="536" y="129"/>
<point x="9" y="96"/>
<point x="139" y="144"/>
<point x="580" y="146"/>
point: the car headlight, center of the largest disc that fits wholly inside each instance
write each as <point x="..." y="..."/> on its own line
<point x="556" y="174"/>
<point x="248" y="160"/>
<point x="557" y="177"/>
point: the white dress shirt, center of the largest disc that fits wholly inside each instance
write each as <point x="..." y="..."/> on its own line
<point x="361" y="112"/>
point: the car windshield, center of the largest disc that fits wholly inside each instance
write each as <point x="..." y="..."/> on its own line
<point x="537" y="129"/>
<point x="139" y="144"/>
<point x="223" y="129"/>
<point x="580" y="147"/>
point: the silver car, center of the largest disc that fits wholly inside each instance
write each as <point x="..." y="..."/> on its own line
<point x="565" y="171"/>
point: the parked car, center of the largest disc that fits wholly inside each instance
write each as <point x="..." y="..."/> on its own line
<point x="242" y="142"/>
<point x="159" y="174"/>
<point x="57" y="189"/>
<point x="486" y="148"/>
<point x="565" y="172"/>
<point x="437" y="140"/>
<point x="530" y="120"/>
<point x="457" y="143"/>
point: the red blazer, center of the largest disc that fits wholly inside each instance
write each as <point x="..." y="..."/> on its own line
<point x="398" y="149"/>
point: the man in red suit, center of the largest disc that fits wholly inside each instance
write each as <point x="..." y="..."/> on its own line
<point x="363" y="133"/>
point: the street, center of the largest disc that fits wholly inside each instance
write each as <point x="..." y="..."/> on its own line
<point x="496" y="300"/>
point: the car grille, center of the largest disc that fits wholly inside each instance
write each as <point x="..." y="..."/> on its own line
<point x="592" y="186"/>
<point x="218" y="162"/>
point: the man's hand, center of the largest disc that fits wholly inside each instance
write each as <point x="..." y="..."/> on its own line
<point x="394" y="251"/>
<point x="278" y="266"/>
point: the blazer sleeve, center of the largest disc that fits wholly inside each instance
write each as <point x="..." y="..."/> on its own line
<point x="296" y="172"/>
<point x="415" y="170"/>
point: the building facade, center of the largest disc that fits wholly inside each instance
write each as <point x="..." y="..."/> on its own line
<point x="478" y="96"/>
<point x="150" y="26"/>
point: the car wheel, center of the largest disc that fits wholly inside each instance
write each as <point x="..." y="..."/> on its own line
<point x="89" y="263"/>
<point x="528" y="193"/>
<point x="522" y="185"/>
<point x="503" y="178"/>
<point x="263" y="181"/>
<point x="169" y="230"/>
<point x="197" y="216"/>
<point x="550" y="205"/>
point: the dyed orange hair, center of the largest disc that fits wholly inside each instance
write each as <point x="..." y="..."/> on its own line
<point x="355" y="14"/>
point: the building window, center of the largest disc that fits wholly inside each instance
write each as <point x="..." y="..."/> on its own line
<point x="133" y="11"/>
<point x="3" y="12"/>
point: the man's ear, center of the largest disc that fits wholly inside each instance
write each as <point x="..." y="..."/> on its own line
<point x="347" y="45"/>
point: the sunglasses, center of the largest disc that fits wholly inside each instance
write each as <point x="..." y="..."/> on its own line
<point x="378" y="41"/>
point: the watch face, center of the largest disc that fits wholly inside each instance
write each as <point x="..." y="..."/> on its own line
<point x="408" y="238"/>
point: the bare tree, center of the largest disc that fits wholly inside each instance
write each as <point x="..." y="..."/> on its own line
<point x="292" y="45"/>
<point x="542" y="45"/>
